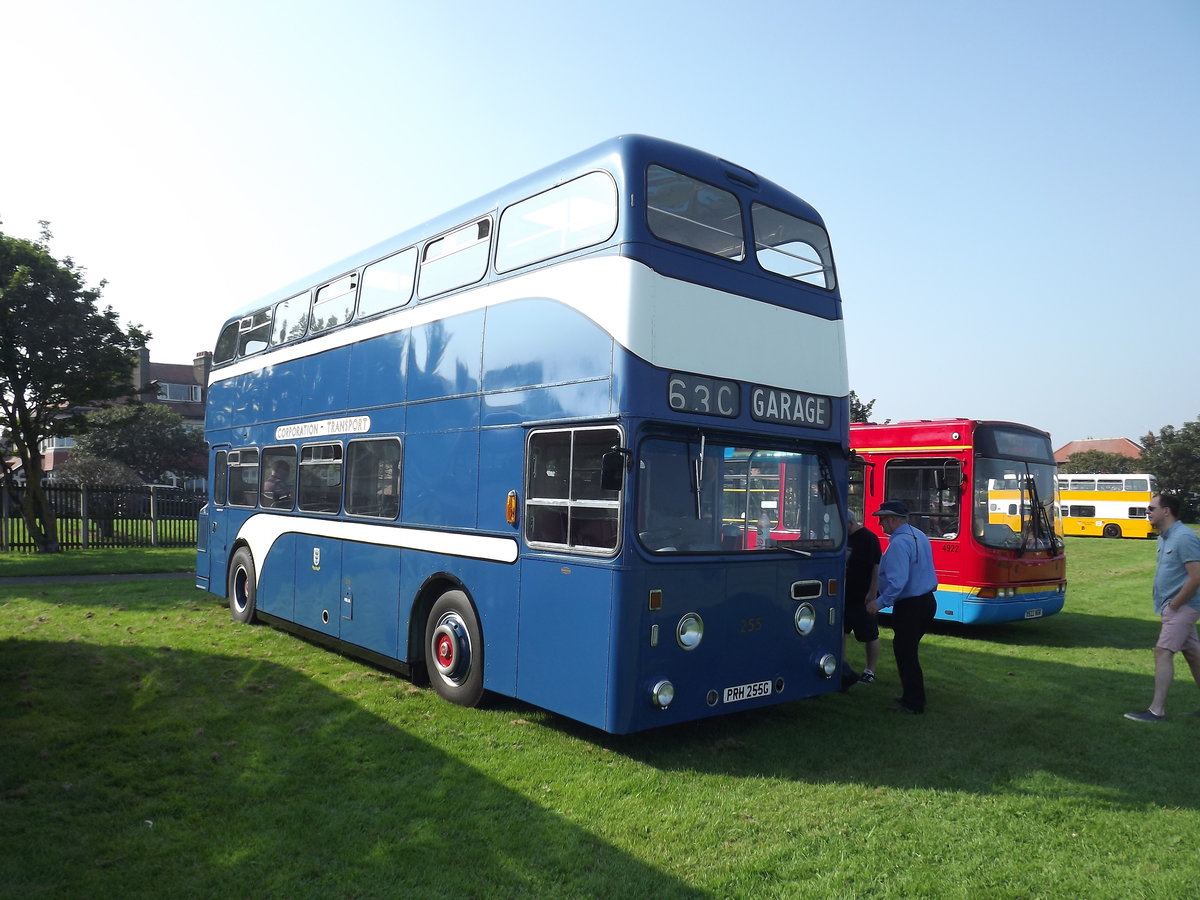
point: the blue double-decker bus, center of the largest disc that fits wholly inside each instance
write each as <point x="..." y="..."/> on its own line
<point x="582" y="442"/>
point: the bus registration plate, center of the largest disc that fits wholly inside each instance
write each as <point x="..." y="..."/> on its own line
<point x="747" y="691"/>
<point x="1033" y="613"/>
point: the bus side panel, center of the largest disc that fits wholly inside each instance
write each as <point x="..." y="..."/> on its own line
<point x="244" y="407"/>
<point x="494" y="588"/>
<point x="441" y="470"/>
<point x="585" y="398"/>
<point x="318" y="583"/>
<point x="444" y="357"/>
<point x="535" y="342"/>
<point x="370" y="598"/>
<point x="325" y="382"/>
<point x="377" y="370"/>
<point x="565" y="638"/>
<point x="501" y="469"/>
<point x="288" y="389"/>
<point x="218" y="408"/>
<point x="277" y="578"/>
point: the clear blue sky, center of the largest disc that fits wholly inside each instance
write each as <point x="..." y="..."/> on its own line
<point x="1012" y="188"/>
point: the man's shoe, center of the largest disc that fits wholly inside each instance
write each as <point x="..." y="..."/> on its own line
<point x="1145" y="716"/>
<point x="867" y="677"/>
<point x="902" y="708"/>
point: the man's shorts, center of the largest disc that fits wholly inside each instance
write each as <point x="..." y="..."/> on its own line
<point x="1179" y="629"/>
<point x="863" y="624"/>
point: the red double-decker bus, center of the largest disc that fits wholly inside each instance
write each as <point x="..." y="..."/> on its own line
<point x="985" y="493"/>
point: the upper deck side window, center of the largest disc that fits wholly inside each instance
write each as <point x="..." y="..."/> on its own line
<point x="226" y="347"/>
<point x="388" y="284"/>
<point x="455" y="259"/>
<point x="687" y="211"/>
<point x="571" y="216"/>
<point x="243" y="336"/>
<point x="335" y="303"/>
<point x="793" y="247"/>
<point x="291" y="319"/>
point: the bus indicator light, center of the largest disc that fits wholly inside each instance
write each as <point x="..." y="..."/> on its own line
<point x="656" y="599"/>
<point x="510" y="508"/>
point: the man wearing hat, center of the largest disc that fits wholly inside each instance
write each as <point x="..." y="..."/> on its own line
<point x="906" y="583"/>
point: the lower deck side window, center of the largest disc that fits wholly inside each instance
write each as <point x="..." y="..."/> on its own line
<point x="566" y="506"/>
<point x="320" y="485"/>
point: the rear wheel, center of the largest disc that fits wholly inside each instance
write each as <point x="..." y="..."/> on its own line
<point x="1112" y="530"/>
<point x="454" y="650"/>
<point x="242" y="586"/>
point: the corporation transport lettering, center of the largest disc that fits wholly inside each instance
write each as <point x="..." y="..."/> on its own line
<point x="323" y="428"/>
<point x="789" y="407"/>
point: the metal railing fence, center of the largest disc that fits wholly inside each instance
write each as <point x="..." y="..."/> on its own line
<point x="91" y="517"/>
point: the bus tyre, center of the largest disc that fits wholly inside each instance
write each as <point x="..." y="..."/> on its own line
<point x="454" y="650"/>
<point x="242" y="586"/>
<point x="1112" y="530"/>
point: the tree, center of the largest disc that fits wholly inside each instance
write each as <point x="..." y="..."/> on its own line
<point x="148" y="438"/>
<point x="860" y="412"/>
<point x="99" y="474"/>
<point x="1099" y="461"/>
<point x="58" y="354"/>
<point x="1173" y="457"/>
<point x="82" y="468"/>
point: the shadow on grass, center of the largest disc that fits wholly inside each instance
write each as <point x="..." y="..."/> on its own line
<point x="1066" y="630"/>
<point x="997" y="723"/>
<point x="187" y="774"/>
<point x="1007" y="718"/>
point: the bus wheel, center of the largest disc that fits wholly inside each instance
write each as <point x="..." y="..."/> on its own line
<point x="1112" y="529"/>
<point x="242" y="586"/>
<point x="454" y="650"/>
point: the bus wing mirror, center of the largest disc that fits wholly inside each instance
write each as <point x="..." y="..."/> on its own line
<point x="950" y="477"/>
<point x="612" y="469"/>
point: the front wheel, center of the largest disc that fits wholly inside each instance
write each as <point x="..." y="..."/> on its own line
<point x="454" y="650"/>
<point x="1112" y="530"/>
<point x="242" y="586"/>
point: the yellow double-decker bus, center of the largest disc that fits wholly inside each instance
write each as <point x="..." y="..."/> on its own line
<point x="1110" y="505"/>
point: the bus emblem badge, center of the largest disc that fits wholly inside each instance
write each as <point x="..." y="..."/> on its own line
<point x="316" y="559"/>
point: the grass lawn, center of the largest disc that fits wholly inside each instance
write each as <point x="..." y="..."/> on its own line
<point x="151" y="747"/>
<point x="98" y="562"/>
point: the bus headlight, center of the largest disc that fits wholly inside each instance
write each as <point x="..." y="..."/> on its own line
<point x="828" y="664"/>
<point x="662" y="694"/>
<point x="690" y="631"/>
<point x="806" y="618"/>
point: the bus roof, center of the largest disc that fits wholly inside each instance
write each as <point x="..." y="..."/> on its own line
<point x="629" y="152"/>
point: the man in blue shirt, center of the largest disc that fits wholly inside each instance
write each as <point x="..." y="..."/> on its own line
<point x="1176" y="599"/>
<point x="906" y="583"/>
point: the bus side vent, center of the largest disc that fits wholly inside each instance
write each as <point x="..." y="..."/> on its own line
<point x="806" y="590"/>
